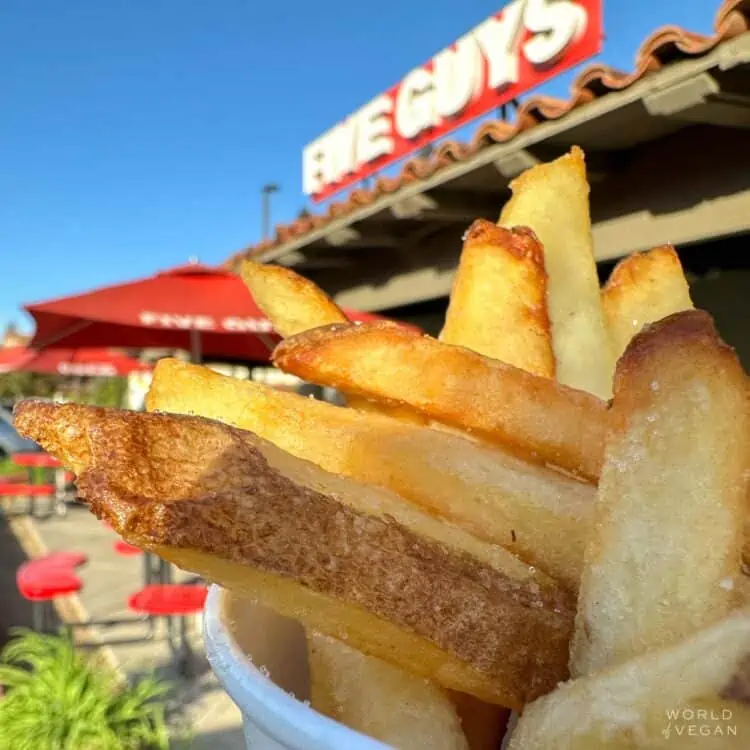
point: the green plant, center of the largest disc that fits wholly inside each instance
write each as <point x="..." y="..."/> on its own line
<point x="15" y="385"/>
<point x="58" y="700"/>
<point x="107" y="392"/>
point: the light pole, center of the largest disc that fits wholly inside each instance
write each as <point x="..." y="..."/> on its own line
<point x="266" y="207"/>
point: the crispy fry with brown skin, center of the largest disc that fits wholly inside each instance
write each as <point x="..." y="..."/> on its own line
<point x="539" y="515"/>
<point x="651" y="702"/>
<point x="553" y="200"/>
<point x="663" y="560"/>
<point x="348" y="560"/>
<point x="532" y="416"/>
<point x="498" y="304"/>
<point x="295" y="304"/>
<point x="643" y="288"/>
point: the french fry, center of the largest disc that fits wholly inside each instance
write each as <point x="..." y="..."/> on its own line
<point x="520" y="336"/>
<point x="539" y="515"/>
<point x="498" y="308"/>
<point x="380" y="700"/>
<point x="498" y="303"/>
<point x="553" y="200"/>
<point x="643" y="288"/>
<point x="291" y="302"/>
<point x="295" y="304"/>
<point x="347" y="560"/>
<point x="690" y="695"/>
<point x="532" y="416"/>
<point x="663" y="560"/>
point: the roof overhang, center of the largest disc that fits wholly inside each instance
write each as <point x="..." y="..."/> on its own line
<point x="711" y="89"/>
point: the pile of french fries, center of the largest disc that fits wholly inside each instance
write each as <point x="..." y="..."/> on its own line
<point x="542" y="510"/>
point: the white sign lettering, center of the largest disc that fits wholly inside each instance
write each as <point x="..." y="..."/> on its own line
<point x="175" y="321"/>
<point x="461" y="82"/>
<point x="415" y="107"/>
<point x="458" y="76"/>
<point x="373" y="130"/>
<point x="87" y="370"/>
<point x="554" y="25"/>
<point x="498" y="38"/>
<point x="247" y="325"/>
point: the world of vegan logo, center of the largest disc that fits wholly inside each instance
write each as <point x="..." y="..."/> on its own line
<point x="690" y="722"/>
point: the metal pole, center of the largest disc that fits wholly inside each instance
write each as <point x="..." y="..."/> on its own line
<point x="266" y="208"/>
<point x="195" y="346"/>
<point x="37" y="616"/>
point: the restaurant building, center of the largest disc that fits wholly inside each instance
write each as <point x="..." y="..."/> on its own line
<point x="667" y="147"/>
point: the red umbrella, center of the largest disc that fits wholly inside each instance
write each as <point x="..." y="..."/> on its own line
<point x="12" y="357"/>
<point x="85" y="362"/>
<point x="196" y="308"/>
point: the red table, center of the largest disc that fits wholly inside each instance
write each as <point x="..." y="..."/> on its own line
<point x="44" y="579"/>
<point x="169" y="601"/>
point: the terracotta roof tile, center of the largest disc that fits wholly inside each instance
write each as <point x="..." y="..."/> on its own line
<point x="663" y="47"/>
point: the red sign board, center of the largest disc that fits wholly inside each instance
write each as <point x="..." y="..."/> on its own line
<point x="521" y="46"/>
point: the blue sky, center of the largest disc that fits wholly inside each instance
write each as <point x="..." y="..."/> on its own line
<point x="135" y="134"/>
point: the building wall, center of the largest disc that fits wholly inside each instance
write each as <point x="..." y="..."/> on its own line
<point x="726" y="295"/>
<point x="688" y="187"/>
<point x="719" y="275"/>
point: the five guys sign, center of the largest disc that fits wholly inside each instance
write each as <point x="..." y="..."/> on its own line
<point x="521" y="46"/>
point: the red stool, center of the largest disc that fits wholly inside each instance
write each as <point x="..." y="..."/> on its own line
<point x="127" y="550"/>
<point x="170" y="600"/>
<point x="47" y="578"/>
<point x="36" y="459"/>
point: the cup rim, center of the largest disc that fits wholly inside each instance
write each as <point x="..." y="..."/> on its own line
<point x="272" y="706"/>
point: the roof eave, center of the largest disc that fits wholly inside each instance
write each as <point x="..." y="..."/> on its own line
<point x="685" y="74"/>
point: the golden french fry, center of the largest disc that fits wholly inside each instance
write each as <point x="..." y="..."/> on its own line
<point x="693" y="694"/>
<point x="553" y="200"/>
<point x="291" y="302"/>
<point x="540" y="515"/>
<point x="348" y="560"/>
<point x="498" y="303"/>
<point x="498" y="308"/>
<point x="295" y="304"/>
<point x="663" y="560"/>
<point x="643" y="288"/>
<point x="380" y="700"/>
<point x="532" y="416"/>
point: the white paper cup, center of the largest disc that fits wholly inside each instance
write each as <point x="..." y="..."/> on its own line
<point x="260" y="658"/>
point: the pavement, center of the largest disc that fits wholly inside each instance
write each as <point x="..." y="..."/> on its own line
<point x="202" y="714"/>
